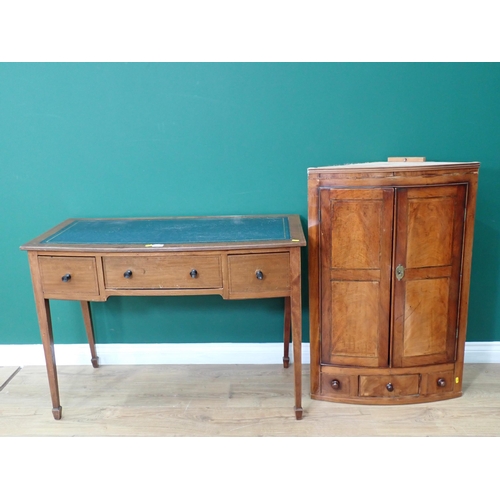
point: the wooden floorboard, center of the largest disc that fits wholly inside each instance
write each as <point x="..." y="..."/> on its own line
<point x="227" y="400"/>
<point x="6" y="373"/>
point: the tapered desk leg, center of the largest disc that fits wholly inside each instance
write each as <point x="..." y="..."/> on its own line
<point x="296" y="309"/>
<point x="45" y="323"/>
<point x="89" y="328"/>
<point x="287" y="333"/>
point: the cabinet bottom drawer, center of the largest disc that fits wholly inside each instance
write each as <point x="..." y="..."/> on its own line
<point x="439" y="382"/>
<point x="389" y="386"/>
<point x="336" y="384"/>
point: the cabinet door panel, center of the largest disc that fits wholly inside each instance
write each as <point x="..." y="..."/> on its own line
<point x="426" y="317"/>
<point x="356" y="243"/>
<point x="428" y="246"/>
<point x="354" y="305"/>
<point x="430" y="231"/>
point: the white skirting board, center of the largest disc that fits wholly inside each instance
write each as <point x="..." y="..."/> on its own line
<point x="217" y="353"/>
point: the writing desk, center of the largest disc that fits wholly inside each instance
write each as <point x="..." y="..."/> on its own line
<point x="237" y="257"/>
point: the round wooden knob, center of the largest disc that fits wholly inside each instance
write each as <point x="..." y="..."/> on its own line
<point x="335" y="384"/>
<point x="127" y="273"/>
<point x="389" y="387"/>
<point x="441" y="382"/>
<point x="193" y="273"/>
<point x="259" y="274"/>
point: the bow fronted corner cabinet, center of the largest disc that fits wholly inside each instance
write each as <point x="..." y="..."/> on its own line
<point x="390" y="247"/>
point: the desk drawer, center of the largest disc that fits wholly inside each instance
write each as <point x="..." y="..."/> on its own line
<point x="170" y="271"/>
<point x="265" y="274"/>
<point x="75" y="276"/>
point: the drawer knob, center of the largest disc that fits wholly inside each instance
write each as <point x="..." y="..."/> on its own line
<point x="194" y="273"/>
<point x="336" y="384"/>
<point x="127" y="273"/>
<point x="441" y="382"/>
<point x="389" y="387"/>
<point x="259" y="274"/>
<point x="66" y="277"/>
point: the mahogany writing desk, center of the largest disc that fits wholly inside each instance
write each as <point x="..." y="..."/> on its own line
<point x="237" y="257"/>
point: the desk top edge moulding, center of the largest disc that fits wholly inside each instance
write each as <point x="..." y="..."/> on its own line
<point x="389" y="260"/>
<point x="237" y="257"/>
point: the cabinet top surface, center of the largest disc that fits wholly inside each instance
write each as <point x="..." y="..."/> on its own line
<point x="171" y="233"/>
<point x="395" y="166"/>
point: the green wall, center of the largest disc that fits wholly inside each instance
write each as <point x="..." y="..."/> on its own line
<point x="111" y="140"/>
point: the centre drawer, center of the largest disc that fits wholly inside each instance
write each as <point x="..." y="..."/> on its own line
<point x="169" y="271"/>
<point x="389" y="386"/>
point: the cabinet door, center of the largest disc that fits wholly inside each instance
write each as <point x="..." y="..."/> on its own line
<point x="428" y="254"/>
<point x="356" y="246"/>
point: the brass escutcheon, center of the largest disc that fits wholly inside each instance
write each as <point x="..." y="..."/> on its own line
<point x="400" y="272"/>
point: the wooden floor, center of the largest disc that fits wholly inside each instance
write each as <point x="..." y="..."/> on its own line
<point x="226" y="400"/>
